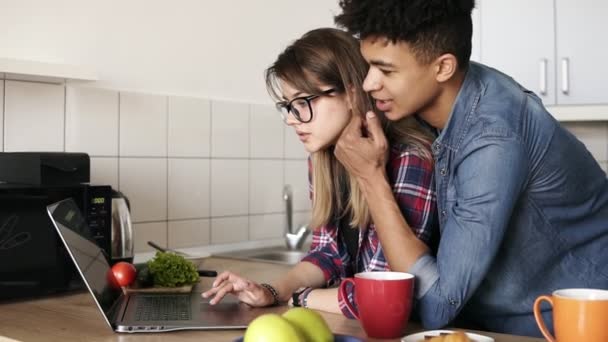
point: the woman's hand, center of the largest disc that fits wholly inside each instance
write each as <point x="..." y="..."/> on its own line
<point x="245" y="290"/>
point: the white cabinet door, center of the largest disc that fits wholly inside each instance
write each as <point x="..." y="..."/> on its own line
<point x="582" y="51"/>
<point x="517" y="38"/>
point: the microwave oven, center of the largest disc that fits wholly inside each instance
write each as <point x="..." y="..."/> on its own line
<point x="33" y="261"/>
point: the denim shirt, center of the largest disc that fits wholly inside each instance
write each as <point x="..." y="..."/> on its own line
<point x="523" y="210"/>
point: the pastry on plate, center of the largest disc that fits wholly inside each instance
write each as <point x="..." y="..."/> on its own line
<point x="457" y="336"/>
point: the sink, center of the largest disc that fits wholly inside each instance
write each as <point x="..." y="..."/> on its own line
<point x="277" y="255"/>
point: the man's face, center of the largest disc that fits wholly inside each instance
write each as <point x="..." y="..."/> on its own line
<point x="400" y="85"/>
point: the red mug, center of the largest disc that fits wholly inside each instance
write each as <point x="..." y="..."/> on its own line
<point x="384" y="301"/>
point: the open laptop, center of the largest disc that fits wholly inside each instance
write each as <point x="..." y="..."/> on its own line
<point x="139" y="312"/>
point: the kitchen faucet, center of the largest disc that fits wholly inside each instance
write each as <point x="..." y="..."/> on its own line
<point x="293" y="240"/>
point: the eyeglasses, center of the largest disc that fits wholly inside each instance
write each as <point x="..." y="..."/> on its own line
<point x="300" y="106"/>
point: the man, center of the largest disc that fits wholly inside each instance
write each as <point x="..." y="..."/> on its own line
<point x="523" y="206"/>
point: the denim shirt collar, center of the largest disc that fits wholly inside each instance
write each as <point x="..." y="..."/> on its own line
<point x="462" y="112"/>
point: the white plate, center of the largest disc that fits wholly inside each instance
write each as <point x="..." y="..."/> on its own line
<point x="418" y="337"/>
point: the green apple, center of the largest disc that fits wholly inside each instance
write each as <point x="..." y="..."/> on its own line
<point x="310" y="323"/>
<point x="272" y="328"/>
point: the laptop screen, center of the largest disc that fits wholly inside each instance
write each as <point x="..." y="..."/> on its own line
<point x="89" y="258"/>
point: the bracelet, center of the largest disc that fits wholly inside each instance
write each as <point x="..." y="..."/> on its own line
<point x="304" y="297"/>
<point x="273" y="292"/>
<point x="299" y="298"/>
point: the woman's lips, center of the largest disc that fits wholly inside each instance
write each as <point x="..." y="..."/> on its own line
<point x="303" y="136"/>
<point x="383" y="105"/>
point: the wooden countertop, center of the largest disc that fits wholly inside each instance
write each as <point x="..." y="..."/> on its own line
<point x="75" y="317"/>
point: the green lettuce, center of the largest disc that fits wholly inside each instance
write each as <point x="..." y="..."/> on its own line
<point x="171" y="270"/>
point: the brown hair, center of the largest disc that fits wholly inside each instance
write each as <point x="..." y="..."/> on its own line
<point x="331" y="57"/>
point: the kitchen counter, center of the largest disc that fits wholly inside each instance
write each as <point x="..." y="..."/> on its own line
<point x="75" y="317"/>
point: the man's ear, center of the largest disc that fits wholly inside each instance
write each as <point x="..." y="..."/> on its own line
<point x="446" y="66"/>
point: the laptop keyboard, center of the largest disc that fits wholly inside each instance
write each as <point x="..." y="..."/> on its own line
<point x="163" y="308"/>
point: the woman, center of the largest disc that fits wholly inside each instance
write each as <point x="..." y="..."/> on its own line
<point x="317" y="82"/>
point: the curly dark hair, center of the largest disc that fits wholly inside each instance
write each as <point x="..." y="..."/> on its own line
<point x="430" y="27"/>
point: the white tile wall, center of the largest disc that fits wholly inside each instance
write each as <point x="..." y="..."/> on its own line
<point x="594" y="135"/>
<point x="189" y="233"/>
<point x="266" y="186"/>
<point x="189" y="127"/>
<point x="294" y="149"/>
<point x="143" y="125"/>
<point x="301" y="219"/>
<point x="266" y="226"/>
<point x="266" y="138"/>
<point x="229" y="187"/>
<point x="91" y="121"/>
<point x="296" y="175"/>
<point x="197" y="172"/>
<point x="230" y="130"/>
<point x="188" y="188"/>
<point x="229" y="229"/>
<point x="144" y="182"/>
<point x="104" y="171"/>
<point x="153" y="231"/>
<point x="33" y="117"/>
<point x="1" y="115"/>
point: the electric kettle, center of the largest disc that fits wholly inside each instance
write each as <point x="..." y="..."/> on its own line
<point x="122" y="229"/>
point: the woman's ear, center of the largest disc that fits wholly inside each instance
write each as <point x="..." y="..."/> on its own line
<point x="446" y="66"/>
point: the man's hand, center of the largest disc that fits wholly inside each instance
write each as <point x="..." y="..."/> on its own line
<point x="362" y="148"/>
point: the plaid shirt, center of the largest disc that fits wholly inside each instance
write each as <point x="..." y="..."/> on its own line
<point x="412" y="182"/>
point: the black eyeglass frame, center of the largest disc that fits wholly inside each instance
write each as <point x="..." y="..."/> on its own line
<point x="287" y="105"/>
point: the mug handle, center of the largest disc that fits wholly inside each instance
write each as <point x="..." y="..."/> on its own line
<point x="539" y="318"/>
<point x="344" y="295"/>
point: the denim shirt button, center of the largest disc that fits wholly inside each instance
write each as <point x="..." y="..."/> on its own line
<point x="443" y="171"/>
<point x="443" y="213"/>
<point x="453" y="302"/>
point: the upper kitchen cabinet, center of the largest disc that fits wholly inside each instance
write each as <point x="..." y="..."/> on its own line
<point x="582" y="51"/>
<point x="552" y="47"/>
<point x="517" y="38"/>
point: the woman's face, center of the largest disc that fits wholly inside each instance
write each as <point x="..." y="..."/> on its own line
<point x="330" y="115"/>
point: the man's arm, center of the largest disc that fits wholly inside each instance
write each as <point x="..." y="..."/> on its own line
<point x="489" y="180"/>
<point x="365" y="158"/>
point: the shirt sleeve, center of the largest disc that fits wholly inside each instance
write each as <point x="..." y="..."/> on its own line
<point x="413" y="186"/>
<point x="488" y="180"/>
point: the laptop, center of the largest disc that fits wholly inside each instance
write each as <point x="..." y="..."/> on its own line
<point x="140" y="312"/>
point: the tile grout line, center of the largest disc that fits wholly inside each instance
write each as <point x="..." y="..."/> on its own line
<point x="3" y="113"/>
<point x="209" y="193"/>
<point x="167" y="170"/>
<point x="249" y="138"/>
<point x="118" y="160"/>
<point x="65" y="105"/>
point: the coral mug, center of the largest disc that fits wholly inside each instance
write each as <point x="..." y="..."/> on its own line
<point x="384" y="302"/>
<point x="578" y="315"/>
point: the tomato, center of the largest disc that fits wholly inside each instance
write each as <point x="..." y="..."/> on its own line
<point x="124" y="273"/>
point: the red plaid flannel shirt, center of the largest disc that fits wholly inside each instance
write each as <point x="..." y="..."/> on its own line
<point x="411" y="178"/>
